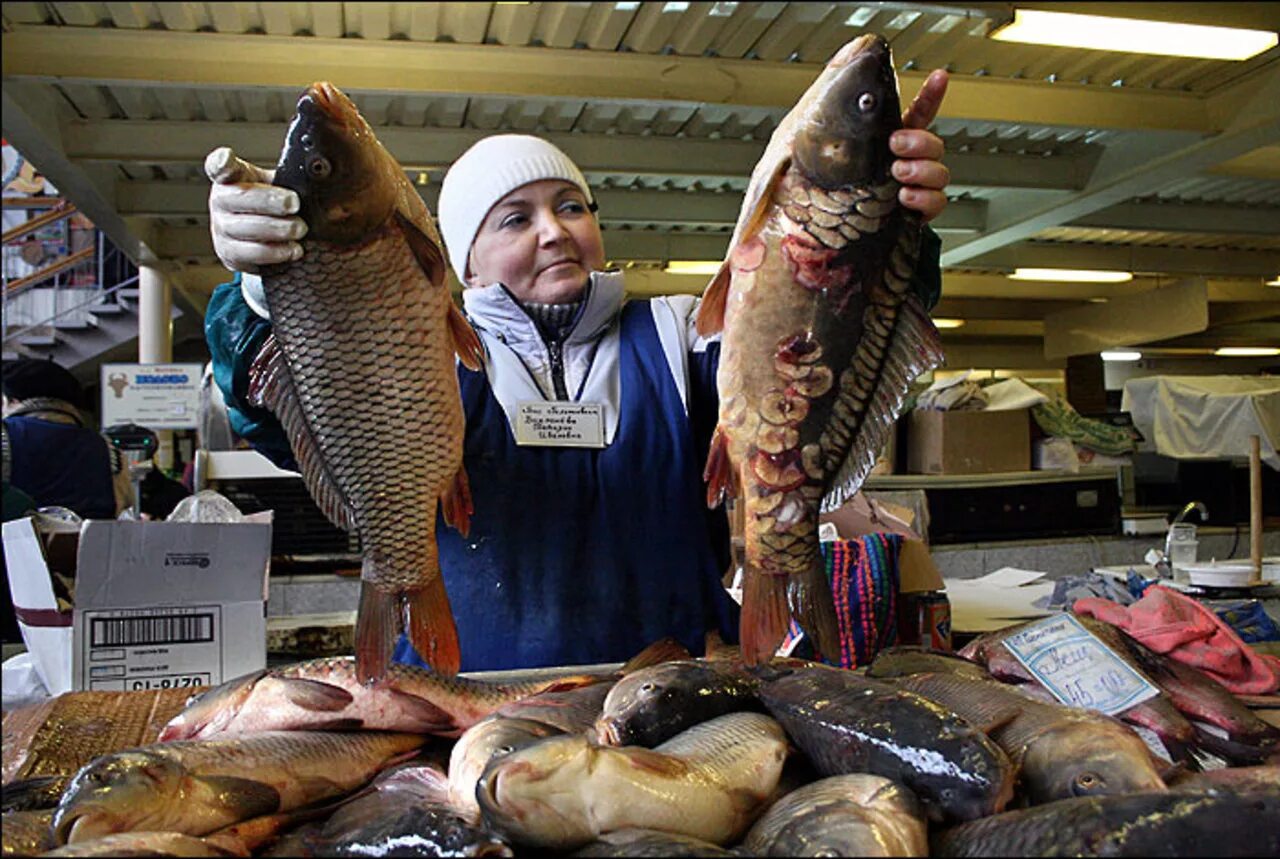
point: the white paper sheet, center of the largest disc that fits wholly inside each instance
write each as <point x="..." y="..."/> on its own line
<point x="996" y="600"/>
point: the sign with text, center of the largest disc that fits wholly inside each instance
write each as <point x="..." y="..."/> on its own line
<point x="156" y="396"/>
<point x="1076" y="667"/>
<point x="558" y="424"/>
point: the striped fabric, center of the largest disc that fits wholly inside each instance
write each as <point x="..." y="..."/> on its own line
<point x="863" y="573"/>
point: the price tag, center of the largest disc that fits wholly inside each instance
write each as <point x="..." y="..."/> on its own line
<point x="1076" y="667"/>
<point x="557" y="424"/>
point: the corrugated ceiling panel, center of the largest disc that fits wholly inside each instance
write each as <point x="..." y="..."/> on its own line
<point x="1232" y="241"/>
<point x="559" y="24"/>
<point x="745" y="26"/>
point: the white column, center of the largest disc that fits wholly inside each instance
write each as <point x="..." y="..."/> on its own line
<point x="155" y="338"/>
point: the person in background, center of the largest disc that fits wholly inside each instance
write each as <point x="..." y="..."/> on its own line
<point x="583" y="553"/>
<point x="50" y="451"/>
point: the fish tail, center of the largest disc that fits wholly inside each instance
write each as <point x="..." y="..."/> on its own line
<point x="430" y="626"/>
<point x="378" y="625"/>
<point x="814" y="608"/>
<point x="765" y="615"/>
<point x="719" y="471"/>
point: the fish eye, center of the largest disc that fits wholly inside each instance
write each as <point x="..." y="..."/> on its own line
<point x="305" y="140"/>
<point x="867" y="102"/>
<point x="1086" y="783"/>
<point x="505" y="750"/>
<point x="648" y="687"/>
<point x="319" y="166"/>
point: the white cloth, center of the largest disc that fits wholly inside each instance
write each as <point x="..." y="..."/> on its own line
<point x="1192" y="417"/>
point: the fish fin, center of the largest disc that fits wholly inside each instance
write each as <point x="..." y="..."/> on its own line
<point x="765" y="615"/>
<point x="991" y="724"/>
<point x="455" y="502"/>
<point x="465" y="340"/>
<point x="913" y="347"/>
<point x="656" y="762"/>
<point x="719" y="470"/>
<point x="714" y="300"/>
<point x="242" y="797"/>
<point x="662" y="650"/>
<point x="760" y="203"/>
<point x="430" y="626"/>
<point x="378" y="624"/>
<point x="428" y="254"/>
<point x="431" y="719"/>
<point x="271" y="386"/>
<point x="814" y="608"/>
<point x="314" y="694"/>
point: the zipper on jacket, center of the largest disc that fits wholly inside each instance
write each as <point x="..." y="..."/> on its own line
<point x="556" y="351"/>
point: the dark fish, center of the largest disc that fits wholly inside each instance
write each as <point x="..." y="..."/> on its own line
<point x="849" y="724"/>
<point x="844" y="815"/>
<point x="571" y="710"/>
<point x="1246" y="779"/>
<point x="651" y="706"/>
<point x="33" y="794"/>
<point x="199" y="786"/>
<point x="903" y="659"/>
<point x="364" y="334"/>
<point x="650" y="843"/>
<point x="1137" y="824"/>
<point x="1060" y="751"/>
<point x="822" y="337"/>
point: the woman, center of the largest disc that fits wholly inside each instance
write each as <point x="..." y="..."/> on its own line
<point x="586" y="430"/>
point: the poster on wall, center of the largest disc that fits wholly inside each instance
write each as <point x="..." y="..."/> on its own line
<point x="156" y="396"/>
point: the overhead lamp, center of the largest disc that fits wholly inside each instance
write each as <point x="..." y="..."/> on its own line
<point x="1118" y="355"/>
<point x="1132" y="36"/>
<point x="1071" y="275"/>
<point x="693" y="266"/>
<point x="1246" y="352"/>
<point x="944" y="322"/>
<point x="1275" y="281"/>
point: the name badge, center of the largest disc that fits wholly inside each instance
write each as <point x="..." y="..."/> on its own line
<point x="556" y="424"/>
<point x="1076" y="667"/>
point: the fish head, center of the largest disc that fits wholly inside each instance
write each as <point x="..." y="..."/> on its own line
<point x="118" y="793"/>
<point x="843" y="137"/>
<point x="834" y="829"/>
<point x="642" y="707"/>
<point x="1088" y="758"/>
<point x="347" y="183"/>
<point x="208" y="712"/>
<point x="538" y="794"/>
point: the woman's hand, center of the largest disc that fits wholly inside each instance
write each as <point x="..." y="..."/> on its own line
<point x="919" y="166"/>
<point x="252" y="222"/>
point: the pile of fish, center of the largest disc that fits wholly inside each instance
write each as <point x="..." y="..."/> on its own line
<point x="920" y="753"/>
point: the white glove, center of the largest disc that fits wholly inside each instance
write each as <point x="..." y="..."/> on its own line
<point x="253" y="223"/>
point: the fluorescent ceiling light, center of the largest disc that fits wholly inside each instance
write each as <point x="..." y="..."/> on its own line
<point x="1275" y="281"/>
<point x="1121" y="355"/>
<point x="943" y="322"/>
<point x="1246" y="352"/>
<point x="1071" y="275"/>
<point x="1104" y="33"/>
<point x="693" y="266"/>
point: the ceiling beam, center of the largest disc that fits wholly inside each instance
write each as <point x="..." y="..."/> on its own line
<point x="147" y="57"/>
<point x="1185" y="218"/>
<point x="170" y="142"/>
<point x="1146" y="259"/>
<point x="1129" y="170"/>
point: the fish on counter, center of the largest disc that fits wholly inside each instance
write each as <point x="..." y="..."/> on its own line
<point x="650" y="843"/>
<point x="904" y="659"/>
<point x="491" y="738"/>
<point x="846" y="723"/>
<point x="822" y="335"/>
<point x="26" y="833"/>
<point x="845" y="815"/>
<point x="569" y="710"/>
<point x="709" y="782"/>
<point x="649" y="707"/>
<point x="1265" y="777"/>
<point x="1137" y="824"/>
<point x="1060" y="751"/>
<point x="141" y="844"/>
<point x="33" y="794"/>
<point x="365" y="317"/>
<point x="198" y="786"/>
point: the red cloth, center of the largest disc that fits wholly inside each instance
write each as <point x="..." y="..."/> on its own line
<point x="1169" y="622"/>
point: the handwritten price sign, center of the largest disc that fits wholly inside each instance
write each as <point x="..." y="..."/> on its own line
<point x="1077" y="668"/>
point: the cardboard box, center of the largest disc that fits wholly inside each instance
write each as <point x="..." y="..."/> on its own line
<point x="968" y="442"/>
<point x="157" y="605"/>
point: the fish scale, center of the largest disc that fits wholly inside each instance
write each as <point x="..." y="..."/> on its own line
<point x="720" y="746"/>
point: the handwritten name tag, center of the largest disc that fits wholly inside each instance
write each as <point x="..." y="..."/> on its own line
<point x="1076" y="667"/>
<point x="544" y="424"/>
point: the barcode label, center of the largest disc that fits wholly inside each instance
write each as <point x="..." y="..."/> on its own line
<point x="151" y="629"/>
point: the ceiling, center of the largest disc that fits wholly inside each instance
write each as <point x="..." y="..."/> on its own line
<point x="1165" y="166"/>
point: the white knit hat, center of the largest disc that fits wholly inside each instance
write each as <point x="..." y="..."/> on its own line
<point x="487" y="172"/>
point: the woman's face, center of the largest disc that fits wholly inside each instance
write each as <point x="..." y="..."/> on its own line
<point x="541" y="241"/>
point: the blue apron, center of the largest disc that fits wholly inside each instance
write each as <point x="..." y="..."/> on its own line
<point x="577" y="555"/>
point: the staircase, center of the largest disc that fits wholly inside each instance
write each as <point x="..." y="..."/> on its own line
<point x="69" y="293"/>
